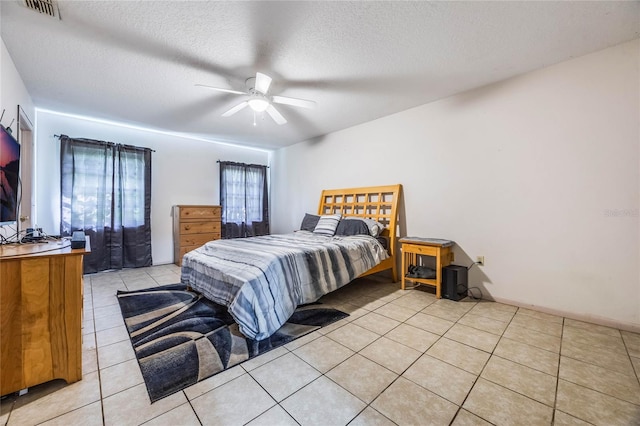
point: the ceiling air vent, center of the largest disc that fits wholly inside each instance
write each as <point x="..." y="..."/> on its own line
<point x="46" y="7"/>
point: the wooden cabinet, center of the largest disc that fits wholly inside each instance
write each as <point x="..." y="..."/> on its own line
<point x="414" y="247"/>
<point x="193" y="226"/>
<point x="40" y="314"/>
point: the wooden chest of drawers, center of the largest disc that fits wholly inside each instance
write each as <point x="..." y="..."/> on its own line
<point x="41" y="314"/>
<point x="192" y="227"/>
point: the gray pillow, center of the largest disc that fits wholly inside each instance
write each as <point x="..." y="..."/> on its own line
<point x="352" y="227"/>
<point x="375" y="227"/>
<point x="309" y="222"/>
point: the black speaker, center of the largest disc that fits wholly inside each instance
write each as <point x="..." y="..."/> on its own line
<point x="78" y="240"/>
<point x="454" y="282"/>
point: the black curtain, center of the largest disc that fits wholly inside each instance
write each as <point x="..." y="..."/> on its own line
<point x="106" y="192"/>
<point x="244" y="198"/>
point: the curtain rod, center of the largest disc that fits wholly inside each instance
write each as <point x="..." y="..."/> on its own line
<point x="243" y="164"/>
<point x="114" y="143"/>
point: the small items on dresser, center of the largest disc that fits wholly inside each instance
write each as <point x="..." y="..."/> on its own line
<point x="193" y="226"/>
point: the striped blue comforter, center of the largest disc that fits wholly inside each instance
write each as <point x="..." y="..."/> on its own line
<point x="263" y="279"/>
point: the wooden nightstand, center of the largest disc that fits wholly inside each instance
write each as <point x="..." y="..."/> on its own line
<point x="413" y="247"/>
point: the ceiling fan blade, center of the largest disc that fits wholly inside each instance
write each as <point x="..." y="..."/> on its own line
<point x="235" y="109"/>
<point x="277" y="117"/>
<point x="263" y="82"/>
<point x="294" y="101"/>
<point x="235" y="92"/>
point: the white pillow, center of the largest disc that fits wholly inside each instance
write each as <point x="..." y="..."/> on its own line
<point x="375" y="227"/>
<point x="327" y="224"/>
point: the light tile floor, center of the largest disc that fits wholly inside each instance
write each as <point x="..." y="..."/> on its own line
<point x="402" y="357"/>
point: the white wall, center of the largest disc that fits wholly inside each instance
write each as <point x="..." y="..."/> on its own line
<point x="539" y="173"/>
<point x="12" y="93"/>
<point x="184" y="171"/>
<point x="12" y="90"/>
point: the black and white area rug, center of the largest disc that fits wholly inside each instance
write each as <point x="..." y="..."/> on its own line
<point x="180" y="338"/>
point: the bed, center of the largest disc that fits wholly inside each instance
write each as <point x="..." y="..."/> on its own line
<point x="379" y="203"/>
<point x="263" y="279"/>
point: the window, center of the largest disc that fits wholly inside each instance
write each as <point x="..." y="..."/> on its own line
<point x="106" y="192"/>
<point x="244" y="199"/>
<point x="96" y="189"/>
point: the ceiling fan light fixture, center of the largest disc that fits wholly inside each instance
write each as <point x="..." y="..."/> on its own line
<point x="258" y="104"/>
<point x="259" y="101"/>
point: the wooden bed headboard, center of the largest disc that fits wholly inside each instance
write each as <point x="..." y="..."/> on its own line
<point x="372" y="202"/>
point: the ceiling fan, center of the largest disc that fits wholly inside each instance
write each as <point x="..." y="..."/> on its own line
<point x="259" y="100"/>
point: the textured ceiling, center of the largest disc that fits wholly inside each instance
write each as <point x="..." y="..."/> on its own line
<point x="138" y="61"/>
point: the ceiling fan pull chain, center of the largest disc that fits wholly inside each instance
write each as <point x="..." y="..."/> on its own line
<point x="254" y="118"/>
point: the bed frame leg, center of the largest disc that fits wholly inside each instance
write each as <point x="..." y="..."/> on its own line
<point x="394" y="273"/>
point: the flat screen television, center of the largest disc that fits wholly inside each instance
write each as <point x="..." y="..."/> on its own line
<point x="9" y="177"/>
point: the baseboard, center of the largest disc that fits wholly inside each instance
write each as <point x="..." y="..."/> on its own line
<point x="594" y="319"/>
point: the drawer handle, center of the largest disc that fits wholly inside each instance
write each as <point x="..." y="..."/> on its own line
<point x="187" y="227"/>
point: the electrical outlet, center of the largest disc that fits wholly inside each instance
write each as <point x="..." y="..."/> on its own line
<point x="480" y="260"/>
